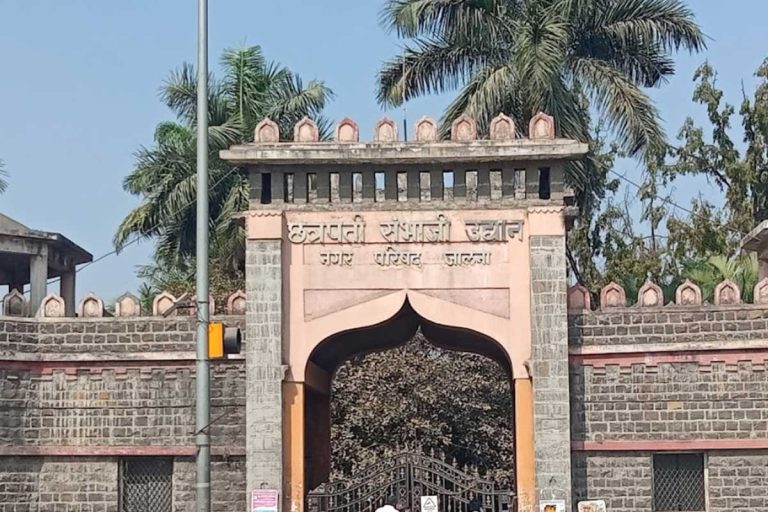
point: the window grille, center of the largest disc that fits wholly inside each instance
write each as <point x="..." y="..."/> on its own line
<point x="146" y="484"/>
<point x="678" y="482"/>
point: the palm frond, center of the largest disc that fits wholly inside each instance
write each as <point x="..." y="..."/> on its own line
<point x="3" y="176"/>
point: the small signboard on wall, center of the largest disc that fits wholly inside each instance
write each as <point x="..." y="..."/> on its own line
<point x="264" y="500"/>
<point x="429" y="504"/>
<point x="552" y="506"/>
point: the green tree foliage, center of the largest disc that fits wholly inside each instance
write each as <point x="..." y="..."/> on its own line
<point x="250" y="89"/>
<point x="459" y="405"/>
<point x="525" y="56"/>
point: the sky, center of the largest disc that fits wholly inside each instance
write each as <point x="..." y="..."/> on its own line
<point x="79" y="85"/>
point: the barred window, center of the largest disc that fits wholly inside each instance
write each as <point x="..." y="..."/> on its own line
<point x="146" y="484"/>
<point x="678" y="482"/>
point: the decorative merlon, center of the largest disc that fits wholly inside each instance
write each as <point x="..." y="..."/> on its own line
<point x="650" y="295"/>
<point x="613" y="296"/>
<point x="52" y="307"/>
<point x="127" y="305"/>
<point x="90" y="307"/>
<point x="579" y="298"/>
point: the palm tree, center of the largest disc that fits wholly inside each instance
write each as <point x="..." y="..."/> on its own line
<point x="164" y="177"/>
<point x="708" y="272"/>
<point x="524" y="56"/>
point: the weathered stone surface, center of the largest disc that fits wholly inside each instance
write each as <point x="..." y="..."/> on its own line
<point x="14" y="304"/>
<point x="688" y="294"/>
<point x="385" y="131"/>
<point x="264" y="371"/>
<point x="551" y="415"/>
<point x="613" y="296"/>
<point x="266" y="132"/>
<point x="236" y="303"/>
<point x="608" y="476"/>
<point x="90" y="307"/>
<point x="464" y="129"/>
<point x="727" y="293"/>
<point x="52" y="307"/>
<point x="650" y="295"/>
<point x="579" y="298"/>
<point x="426" y="130"/>
<point x="306" y="131"/>
<point x="502" y="128"/>
<point x="347" y="131"/>
<point x="162" y="303"/>
<point x="127" y="305"/>
<point x="542" y="126"/>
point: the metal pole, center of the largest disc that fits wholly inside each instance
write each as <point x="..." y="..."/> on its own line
<point x="202" y="371"/>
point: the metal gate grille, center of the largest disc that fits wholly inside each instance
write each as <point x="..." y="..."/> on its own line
<point x="678" y="482"/>
<point x="146" y="484"/>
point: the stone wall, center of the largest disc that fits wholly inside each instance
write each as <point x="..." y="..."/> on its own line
<point x="550" y="368"/>
<point x="78" y="394"/>
<point x="647" y="380"/>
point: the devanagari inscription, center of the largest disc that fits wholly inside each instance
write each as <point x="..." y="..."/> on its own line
<point x="328" y="232"/>
<point x="391" y="257"/>
<point x="416" y="231"/>
<point x="336" y="259"/>
<point x="467" y="259"/>
<point x="492" y="230"/>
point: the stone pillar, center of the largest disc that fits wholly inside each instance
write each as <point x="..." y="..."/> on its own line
<point x="67" y="292"/>
<point x="264" y="368"/>
<point x="525" y="463"/>
<point x="551" y="414"/>
<point x="293" y="446"/>
<point x="38" y="279"/>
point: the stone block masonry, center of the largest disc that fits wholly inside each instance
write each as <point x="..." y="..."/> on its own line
<point x="550" y="368"/>
<point x="264" y="367"/>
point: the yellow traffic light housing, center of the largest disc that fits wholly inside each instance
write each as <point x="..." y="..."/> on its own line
<point x="223" y="340"/>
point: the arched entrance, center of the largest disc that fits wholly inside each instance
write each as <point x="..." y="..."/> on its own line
<point x="351" y="247"/>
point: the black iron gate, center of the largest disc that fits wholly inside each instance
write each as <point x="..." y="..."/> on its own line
<point x="409" y="476"/>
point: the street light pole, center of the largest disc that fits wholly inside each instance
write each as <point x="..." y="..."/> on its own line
<point x="202" y="370"/>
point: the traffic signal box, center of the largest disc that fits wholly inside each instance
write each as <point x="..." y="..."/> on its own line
<point x="223" y="340"/>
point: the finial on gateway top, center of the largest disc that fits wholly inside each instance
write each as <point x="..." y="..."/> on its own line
<point x="266" y="132"/>
<point x="347" y="131"/>
<point x="464" y="128"/>
<point x="542" y="126"/>
<point x="385" y="131"/>
<point x="306" y="131"/>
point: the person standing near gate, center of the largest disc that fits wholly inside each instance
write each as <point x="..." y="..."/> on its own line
<point x="390" y="505"/>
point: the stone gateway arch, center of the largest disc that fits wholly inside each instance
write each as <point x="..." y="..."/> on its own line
<point x="352" y="246"/>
